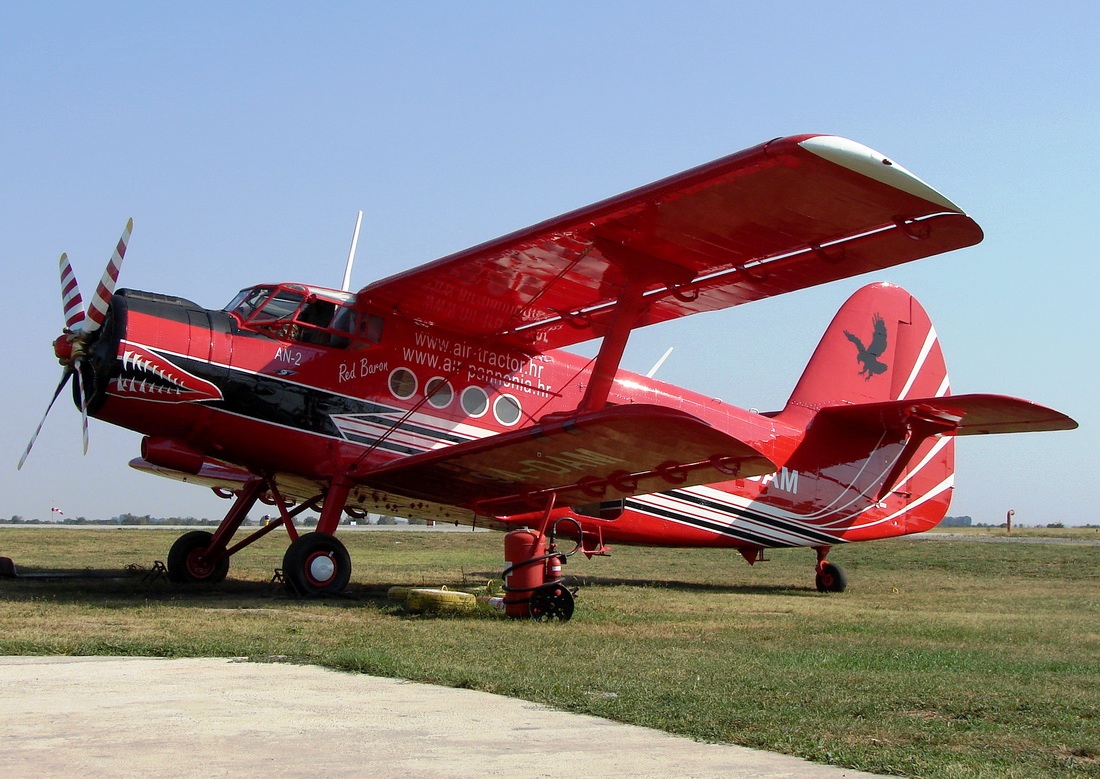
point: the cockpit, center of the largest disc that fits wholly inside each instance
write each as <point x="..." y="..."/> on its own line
<point x="312" y="315"/>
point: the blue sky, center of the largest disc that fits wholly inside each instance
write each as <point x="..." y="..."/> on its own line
<point x="243" y="137"/>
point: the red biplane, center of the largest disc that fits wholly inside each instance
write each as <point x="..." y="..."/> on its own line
<point x="443" y="393"/>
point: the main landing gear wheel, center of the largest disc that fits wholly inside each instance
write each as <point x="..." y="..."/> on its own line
<point x="316" y="564"/>
<point x="188" y="563"/>
<point x="551" y="603"/>
<point x="831" y="578"/>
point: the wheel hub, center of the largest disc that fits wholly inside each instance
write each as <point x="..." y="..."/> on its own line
<point x="199" y="564"/>
<point x="321" y="568"/>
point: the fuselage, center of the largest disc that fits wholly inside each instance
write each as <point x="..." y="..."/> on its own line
<point x="300" y="383"/>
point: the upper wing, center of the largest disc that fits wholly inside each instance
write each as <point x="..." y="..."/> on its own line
<point x="606" y="454"/>
<point x="788" y="214"/>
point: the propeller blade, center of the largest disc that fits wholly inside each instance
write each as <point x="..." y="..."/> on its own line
<point x="61" y="385"/>
<point x="97" y="309"/>
<point x="70" y="295"/>
<point x="83" y="403"/>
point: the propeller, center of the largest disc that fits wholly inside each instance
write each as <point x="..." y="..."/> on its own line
<point x="71" y="346"/>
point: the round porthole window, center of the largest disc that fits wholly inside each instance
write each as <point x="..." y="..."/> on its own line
<point x="475" y="401"/>
<point x="506" y="409"/>
<point x="439" y="392"/>
<point x="402" y="383"/>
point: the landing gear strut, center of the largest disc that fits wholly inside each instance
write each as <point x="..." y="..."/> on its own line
<point x="314" y="563"/>
<point x="202" y="557"/>
<point x="829" y="577"/>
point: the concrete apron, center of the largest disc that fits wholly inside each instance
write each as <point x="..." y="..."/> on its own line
<point x="139" y="716"/>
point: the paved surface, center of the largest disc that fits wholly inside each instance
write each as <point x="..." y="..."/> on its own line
<point x="135" y="716"/>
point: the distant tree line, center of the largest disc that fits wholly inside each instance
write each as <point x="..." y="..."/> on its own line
<point x="121" y="519"/>
<point x="968" y="522"/>
<point x="130" y="520"/>
<point x="388" y="520"/>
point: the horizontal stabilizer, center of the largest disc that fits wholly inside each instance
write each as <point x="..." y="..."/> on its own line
<point x="602" y="455"/>
<point x="955" y="415"/>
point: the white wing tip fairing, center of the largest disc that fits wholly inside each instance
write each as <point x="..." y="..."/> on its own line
<point x="868" y="162"/>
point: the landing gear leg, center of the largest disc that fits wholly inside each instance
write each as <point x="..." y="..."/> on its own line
<point x="830" y="577"/>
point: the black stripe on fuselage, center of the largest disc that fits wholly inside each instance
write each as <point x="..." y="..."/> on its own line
<point x="786" y="526"/>
<point x="277" y="401"/>
<point x="409" y="427"/>
<point x="734" y="512"/>
<point x="704" y="524"/>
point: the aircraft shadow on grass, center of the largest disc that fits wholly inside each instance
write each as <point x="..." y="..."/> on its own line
<point x="87" y="584"/>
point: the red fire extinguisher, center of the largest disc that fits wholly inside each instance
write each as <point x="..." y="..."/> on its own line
<point x="553" y="564"/>
<point x="524" y="569"/>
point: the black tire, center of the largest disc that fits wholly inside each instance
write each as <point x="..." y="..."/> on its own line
<point x="188" y="564"/>
<point x="551" y="603"/>
<point x="316" y="564"/>
<point x="831" y="579"/>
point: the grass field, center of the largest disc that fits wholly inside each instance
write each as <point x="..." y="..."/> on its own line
<point x="943" y="658"/>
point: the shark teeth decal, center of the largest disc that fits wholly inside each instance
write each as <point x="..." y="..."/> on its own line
<point x="147" y="375"/>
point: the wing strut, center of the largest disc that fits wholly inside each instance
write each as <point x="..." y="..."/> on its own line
<point x="628" y="311"/>
<point x="640" y="272"/>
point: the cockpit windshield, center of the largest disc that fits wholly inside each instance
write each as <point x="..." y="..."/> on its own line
<point x="266" y="304"/>
<point x="305" y="314"/>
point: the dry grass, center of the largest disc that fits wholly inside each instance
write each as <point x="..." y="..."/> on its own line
<point x="944" y="659"/>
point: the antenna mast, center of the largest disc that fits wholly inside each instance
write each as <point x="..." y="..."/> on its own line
<point x="351" y="254"/>
<point x="660" y="362"/>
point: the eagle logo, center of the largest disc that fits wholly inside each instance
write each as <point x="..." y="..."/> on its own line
<point x="868" y="355"/>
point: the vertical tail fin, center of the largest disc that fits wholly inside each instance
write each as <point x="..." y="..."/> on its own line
<point x="880" y="346"/>
<point x="877" y="455"/>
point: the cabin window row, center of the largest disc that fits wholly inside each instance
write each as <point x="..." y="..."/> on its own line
<point x="439" y="393"/>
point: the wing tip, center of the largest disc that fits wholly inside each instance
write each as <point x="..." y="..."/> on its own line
<point x="868" y="162"/>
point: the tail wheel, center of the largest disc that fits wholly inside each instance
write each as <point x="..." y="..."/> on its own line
<point x="831" y="578"/>
<point x="188" y="561"/>
<point x="316" y="564"/>
<point x="551" y="603"/>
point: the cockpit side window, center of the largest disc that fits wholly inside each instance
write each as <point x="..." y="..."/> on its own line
<point x="343" y="321"/>
<point x="373" y="328"/>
